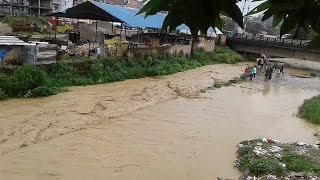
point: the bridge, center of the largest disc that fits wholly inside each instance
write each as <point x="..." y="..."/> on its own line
<point x="273" y="47"/>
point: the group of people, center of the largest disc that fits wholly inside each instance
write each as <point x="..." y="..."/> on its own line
<point x="250" y="72"/>
<point x="267" y="67"/>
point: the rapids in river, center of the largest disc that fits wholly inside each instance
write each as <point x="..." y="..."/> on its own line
<point x="152" y="128"/>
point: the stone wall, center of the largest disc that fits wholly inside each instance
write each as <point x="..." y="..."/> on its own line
<point x="174" y="50"/>
<point x="208" y="45"/>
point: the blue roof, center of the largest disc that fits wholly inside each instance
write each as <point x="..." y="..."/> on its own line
<point x="130" y="17"/>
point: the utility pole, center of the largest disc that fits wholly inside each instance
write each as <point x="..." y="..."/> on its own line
<point x="39" y="10"/>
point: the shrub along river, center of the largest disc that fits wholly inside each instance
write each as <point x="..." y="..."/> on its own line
<point x="151" y="128"/>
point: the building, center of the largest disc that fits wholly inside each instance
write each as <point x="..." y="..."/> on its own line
<point x="42" y="7"/>
<point x="34" y="7"/>
<point x="128" y="3"/>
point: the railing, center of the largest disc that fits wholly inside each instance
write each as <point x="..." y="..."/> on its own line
<point x="31" y="12"/>
<point x="293" y="43"/>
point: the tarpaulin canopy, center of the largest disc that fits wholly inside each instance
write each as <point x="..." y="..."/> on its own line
<point x="86" y="10"/>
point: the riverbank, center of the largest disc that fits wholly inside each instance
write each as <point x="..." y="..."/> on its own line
<point x="83" y="107"/>
<point x="298" y="63"/>
<point x="40" y="81"/>
<point x="310" y="110"/>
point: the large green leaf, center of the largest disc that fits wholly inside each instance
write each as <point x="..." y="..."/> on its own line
<point x="262" y="7"/>
<point x="288" y="24"/>
<point x="314" y="44"/>
<point x="235" y="13"/>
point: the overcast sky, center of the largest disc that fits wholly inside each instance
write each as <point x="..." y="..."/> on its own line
<point x="247" y="4"/>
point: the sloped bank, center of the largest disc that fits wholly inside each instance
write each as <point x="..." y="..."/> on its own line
<point x="271" y="159"/>
<point x="310" y="110"/>
<point x="35" y="81"/>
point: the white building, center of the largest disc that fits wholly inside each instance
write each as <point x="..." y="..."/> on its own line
<point x="60" y="5"/>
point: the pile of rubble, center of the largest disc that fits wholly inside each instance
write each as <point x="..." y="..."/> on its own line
<point x="270" y="159"/>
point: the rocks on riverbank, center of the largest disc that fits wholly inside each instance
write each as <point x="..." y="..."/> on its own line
<point x="270" y="159"/>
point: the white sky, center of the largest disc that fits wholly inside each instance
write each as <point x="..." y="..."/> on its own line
<point x="247" y="4"/>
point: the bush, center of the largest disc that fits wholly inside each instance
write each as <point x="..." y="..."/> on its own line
<point x="300" y="163"/>
<point x="61" y="73"/>
<point x="310" y="110"/>
<point x="3" y="96"/>
<point x="135" y="72"/>
<point x="26" y="78"/>
<point x="265" y="166"/>
<point x="83" y="81"/>
<point x="97" y="72"/>
<point x="40" y="92"/>
<point x="4" y="82"/>
<point x="259" y="167"/>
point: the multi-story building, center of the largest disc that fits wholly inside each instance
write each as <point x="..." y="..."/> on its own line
<point x="33" y="7"/>
<point x="129" y="3"/>
<point x="41" y="7"/>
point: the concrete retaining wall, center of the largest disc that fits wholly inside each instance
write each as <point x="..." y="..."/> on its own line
<point x="207" y="45"/>
<point x="174" y="50"/>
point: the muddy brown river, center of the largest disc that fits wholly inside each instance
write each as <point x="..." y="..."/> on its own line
<point x="151" y="128"/>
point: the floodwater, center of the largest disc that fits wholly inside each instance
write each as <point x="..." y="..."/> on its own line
<point x="152" y="128"/>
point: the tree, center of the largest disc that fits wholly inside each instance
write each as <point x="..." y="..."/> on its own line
<point x="199" y="15"/>
<point x="229" y="24"/>
<point x="255" y="27"/>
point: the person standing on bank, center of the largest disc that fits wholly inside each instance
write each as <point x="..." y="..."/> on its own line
<point x="251" y="73"/>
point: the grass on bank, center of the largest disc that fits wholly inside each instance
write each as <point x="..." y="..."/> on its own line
<point x="310" y="110"/>
<point x="258" y="166"/>
<point x="38" y="81"/>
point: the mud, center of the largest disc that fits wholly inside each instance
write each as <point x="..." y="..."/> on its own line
<point x="152" y="128"/>
<point x="298" y="63"/>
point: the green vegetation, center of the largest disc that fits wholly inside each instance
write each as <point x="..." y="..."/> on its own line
<point x="313" y="74"/>
<point x="301" y="163"/>
<point x="265" y="166"/>
<point x="247" y="161"/>
<point x="288" y="158"/>
<point x="35" y="81"/>
<point x="310" y="110"/>
<point x="25" y="24"/>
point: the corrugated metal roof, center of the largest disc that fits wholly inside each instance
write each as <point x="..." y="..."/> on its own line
<point x="12" y="41"/>
<point x="130" y="17"/>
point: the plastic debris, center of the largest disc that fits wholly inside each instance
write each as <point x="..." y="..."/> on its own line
<point x="241" y="145"/>
<point x="258" y="151"/>
<point x="278" y="156"/>
<point x="283" y="165"/>
<point x="271" y="177"/>
<point x="301" y="143"/>
<point x="275" y="149"/>
<point x="270" y="140"/>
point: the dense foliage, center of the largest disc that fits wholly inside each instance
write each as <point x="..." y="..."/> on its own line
<point x="33" y="81"/>
<point x="310" y="110"/>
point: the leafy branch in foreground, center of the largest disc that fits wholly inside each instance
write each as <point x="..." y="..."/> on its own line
<point x="199" y="15"/>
